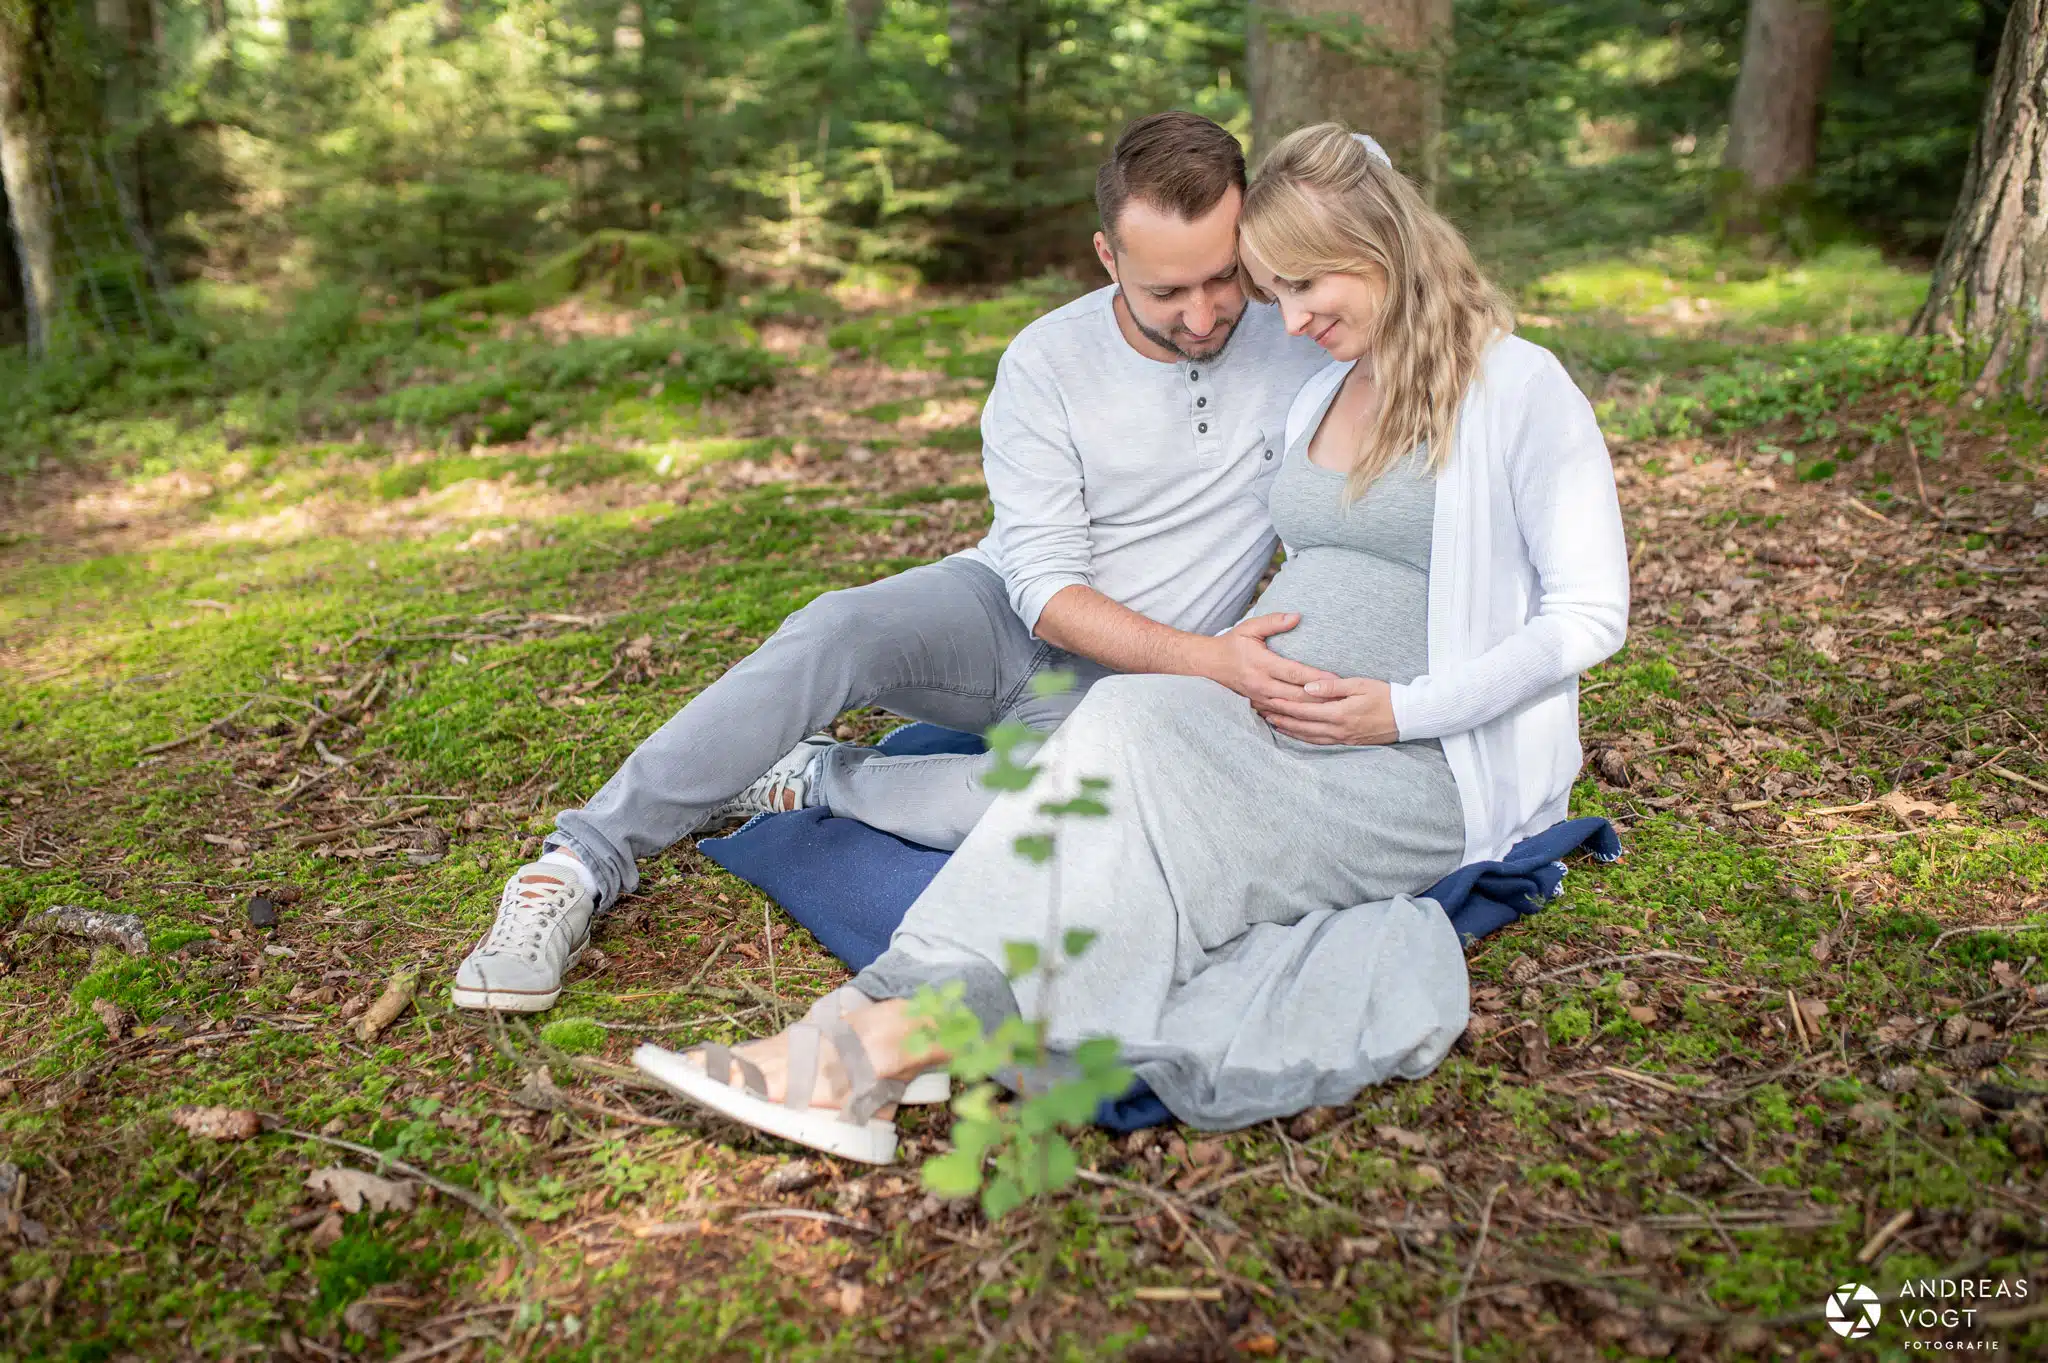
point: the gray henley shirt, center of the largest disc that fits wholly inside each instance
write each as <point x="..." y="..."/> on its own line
<point x="1144" y="480"/>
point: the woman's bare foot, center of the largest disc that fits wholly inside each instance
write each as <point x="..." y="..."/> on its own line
<point x="884" y="1030"/>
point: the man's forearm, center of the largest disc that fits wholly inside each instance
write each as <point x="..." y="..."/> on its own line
<point x="1084" y="621"/>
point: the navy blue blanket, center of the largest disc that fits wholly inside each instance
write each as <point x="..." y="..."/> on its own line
<point x="851" y="884"/>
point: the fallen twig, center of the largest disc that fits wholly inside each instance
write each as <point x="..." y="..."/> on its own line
<point x="1646" y="1080"/>
<point x="123" y="930"/>
<point x="1471" y="1268"/>
<point x="302" y="788"/>
<point x="1884" y="1234"/>
<point x="2014" y="776"/>
<point x="804" y="1214"/>
<point x="395" y="999"/>
<point x="1602" y="962"/>
<point x="461" y="1194"/>
<point x="709" y="961"/>
<point x="1920" y="483"/>
<point x="454" y="1341"/>
<point x="330" y="834"/>
<point x="202" y="731"/>
<point x="1982" y="927"/>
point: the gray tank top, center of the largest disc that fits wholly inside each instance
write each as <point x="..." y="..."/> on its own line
<point x="1358" y="575"/>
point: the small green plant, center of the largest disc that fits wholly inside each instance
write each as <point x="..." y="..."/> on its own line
<point x="1013" y="1152"/>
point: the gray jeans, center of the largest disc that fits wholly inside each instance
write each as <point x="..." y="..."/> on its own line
<point x="938" y="643"/>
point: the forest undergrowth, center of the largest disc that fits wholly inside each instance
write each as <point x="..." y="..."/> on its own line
<point x="341" y="641"/>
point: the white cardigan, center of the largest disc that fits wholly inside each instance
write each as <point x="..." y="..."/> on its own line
<point x="1528" y="587"/>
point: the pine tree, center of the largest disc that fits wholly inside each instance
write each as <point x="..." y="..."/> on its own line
<point x="1990" y="285"/>
<point x="1375" y="66"/>
<point x="25" y="162"/>
<point x="1774" y="123"/>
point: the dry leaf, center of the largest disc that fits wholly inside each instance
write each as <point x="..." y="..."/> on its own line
<point x="1907" y="809"/>
<point x="1415" y="1143"/>
<point x="218" y="1123"/>
<point x="355" y="1190"/>
<point x="1898" y="1079"/>
<point x="1895" y="1030"/>
<point x="1535" y="1051"/>
<point x="112" y="1016"/>
<point x="1822" y="641"/>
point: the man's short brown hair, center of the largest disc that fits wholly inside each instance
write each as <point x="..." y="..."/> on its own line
<point x="1178" y="162"/>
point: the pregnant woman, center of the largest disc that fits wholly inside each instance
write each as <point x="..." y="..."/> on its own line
<point x="1455" y="552"/>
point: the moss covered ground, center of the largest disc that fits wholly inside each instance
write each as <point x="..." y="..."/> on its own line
<point x="340" y="615"/>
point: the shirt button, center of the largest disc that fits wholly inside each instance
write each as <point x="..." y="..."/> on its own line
<point x="1202" y="429"/>
<point x="1269" y="454"/>
<point x="1193" y="375"/>
<point x="1201" y="402"/>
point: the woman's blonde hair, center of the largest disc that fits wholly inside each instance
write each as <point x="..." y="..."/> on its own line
<point x="1323" y="204"/>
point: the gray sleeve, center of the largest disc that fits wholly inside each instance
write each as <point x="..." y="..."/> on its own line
<point x="1034" y="480"/>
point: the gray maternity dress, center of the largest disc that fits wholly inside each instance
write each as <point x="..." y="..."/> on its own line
<point x="1218" y="825"/>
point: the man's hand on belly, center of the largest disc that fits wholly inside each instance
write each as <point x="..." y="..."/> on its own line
<point x="1084" y="621"/>
<point x="1350" y="710"/>
<point x="1243" y="662"/>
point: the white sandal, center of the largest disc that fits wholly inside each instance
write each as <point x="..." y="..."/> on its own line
<point x="852" y="1132"/>
<point x="929" y="1088"/>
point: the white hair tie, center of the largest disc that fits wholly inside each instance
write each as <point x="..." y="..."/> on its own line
<point x="1374" y="149"/>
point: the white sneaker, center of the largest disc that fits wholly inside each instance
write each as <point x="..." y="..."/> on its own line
<point x="542" y="929"/>
<point x="787" y="785"/>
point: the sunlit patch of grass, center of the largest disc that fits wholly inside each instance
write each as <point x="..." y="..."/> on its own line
<point x="1685" y="285"/>
<point x="961" y="339"/>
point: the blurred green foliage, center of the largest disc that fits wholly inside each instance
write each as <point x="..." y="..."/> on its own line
<point x="663" y="146"/>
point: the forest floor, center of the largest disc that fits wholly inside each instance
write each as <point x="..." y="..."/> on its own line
<point x="347" y="642"/>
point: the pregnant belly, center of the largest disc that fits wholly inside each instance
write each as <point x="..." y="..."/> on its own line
<point x="1361" y="615"/>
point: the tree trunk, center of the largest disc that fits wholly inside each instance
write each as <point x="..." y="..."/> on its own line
<point x="219" y="26"/>
<point x="128" y="47"/>
<point x="298" y="27"/>
<point x="1990" y="286"/>
<point x="1774" y="125"/>
<point x="967" y="23"/>
<point x="25" y="166"/>
<point x="861" y="18"/>
<point x="1375" y="66"/>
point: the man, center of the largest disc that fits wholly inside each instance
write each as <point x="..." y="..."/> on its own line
<point x="1129" y="440"/>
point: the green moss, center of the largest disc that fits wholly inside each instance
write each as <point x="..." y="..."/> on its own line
<point x="577" y="1036"/>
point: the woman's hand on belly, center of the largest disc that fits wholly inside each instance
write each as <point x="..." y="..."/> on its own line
<point x="1350" y="710"/>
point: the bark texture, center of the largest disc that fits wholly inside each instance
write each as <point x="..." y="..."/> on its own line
<point x="1774" y="125"/>
<point x="967" y="41"/>
<point x="1390" y="84"/>
<point x="1990" y="286"/>
<point x="861" y="18"/>
<point x="25" y="166"/>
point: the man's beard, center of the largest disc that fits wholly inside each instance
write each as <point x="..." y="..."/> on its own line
<point x="1164" y="341"/>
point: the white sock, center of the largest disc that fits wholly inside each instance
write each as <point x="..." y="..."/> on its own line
<point x="556" y="857"/>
